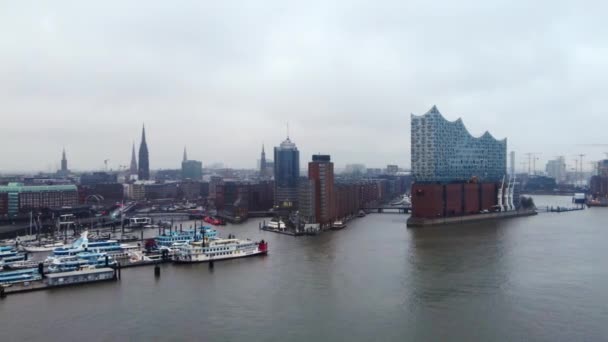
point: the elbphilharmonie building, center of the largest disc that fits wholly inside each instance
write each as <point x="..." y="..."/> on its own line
<point x="445" y="152"/>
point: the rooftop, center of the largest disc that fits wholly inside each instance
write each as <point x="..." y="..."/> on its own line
<point x="19" y="187"/>
<point x="288" y="145"/>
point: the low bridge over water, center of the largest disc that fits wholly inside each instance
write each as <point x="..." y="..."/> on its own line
<point x="391" y="208"/>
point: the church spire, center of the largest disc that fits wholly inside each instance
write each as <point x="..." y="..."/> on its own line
<point x="144" y="162"/>
<point x="263" y="162"/>
<point x="64" y="163"/>
<point x="143" y="134"/>
<point x="133" y="168"/>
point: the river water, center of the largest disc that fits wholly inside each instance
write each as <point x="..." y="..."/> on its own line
<point x="533" y="278"/>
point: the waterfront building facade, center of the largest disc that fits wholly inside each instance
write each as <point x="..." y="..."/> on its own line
<point x="236" y="200"/>
<point x="444" y="151"/>
<point x="286" y="174"/>
<point x="261" y="195"/>
<point x="321" y="172"/>
<point x="306" y="200"/>
<point x="216" y="193"/>
<point x="17" y="198"/>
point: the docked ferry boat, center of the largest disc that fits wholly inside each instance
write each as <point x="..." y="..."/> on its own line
<point x="6" y="251"/>
<point x="19" y="276"/>
<point x="83" y="244"/>
<point x="43" y="248"/>
<point x="75" y="262"/>
<point x="9" y="254"/>
<point x="22" y="264"/>
<point x="275" y="225"/>
<point x="185" y="237"/>
<point x="219" y="249"/>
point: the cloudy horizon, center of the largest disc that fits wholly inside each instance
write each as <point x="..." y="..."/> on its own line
<point x="222" y="78"/>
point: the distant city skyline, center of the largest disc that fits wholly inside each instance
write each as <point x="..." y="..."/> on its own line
<point x="82" y="76"/>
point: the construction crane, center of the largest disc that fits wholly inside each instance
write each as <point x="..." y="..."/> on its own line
<point x="578" y="167"/>
<point x="532" y="158"/>
<point x="596" y="145"/>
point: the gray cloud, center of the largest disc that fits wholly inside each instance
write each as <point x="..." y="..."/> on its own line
<point x="221" y="77"/>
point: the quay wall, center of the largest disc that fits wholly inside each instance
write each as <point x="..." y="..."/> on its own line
<point x="426" y="222"/>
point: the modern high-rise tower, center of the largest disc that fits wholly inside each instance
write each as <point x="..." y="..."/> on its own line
<point x="286" y="175"/>
<point x="144" y="163"/>
<point x="321" y="172"/>
<point x="557" y="169"/>
<point x="191" y="169"/>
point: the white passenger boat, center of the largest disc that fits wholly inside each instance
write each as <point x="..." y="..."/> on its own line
<point x="339" y="224"/>
<point x="74" y="262"/>
<point x="24" y="264"/>
<point x="43" y="248"/>
<point x="83" y="244"/>
<point x="219" y="249"/>
<point x="276" y="225"/>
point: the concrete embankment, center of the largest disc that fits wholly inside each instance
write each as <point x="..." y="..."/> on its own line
<point x="425" y="222"/>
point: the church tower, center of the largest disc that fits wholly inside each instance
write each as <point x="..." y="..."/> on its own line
<point x="144" y="163"/>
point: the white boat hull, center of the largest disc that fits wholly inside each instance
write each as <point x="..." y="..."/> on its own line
<point x="202" y="257"/>
<point x="39" y="249"/>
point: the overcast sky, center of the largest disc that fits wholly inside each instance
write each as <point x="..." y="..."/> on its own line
<point x="224" y="76"/>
